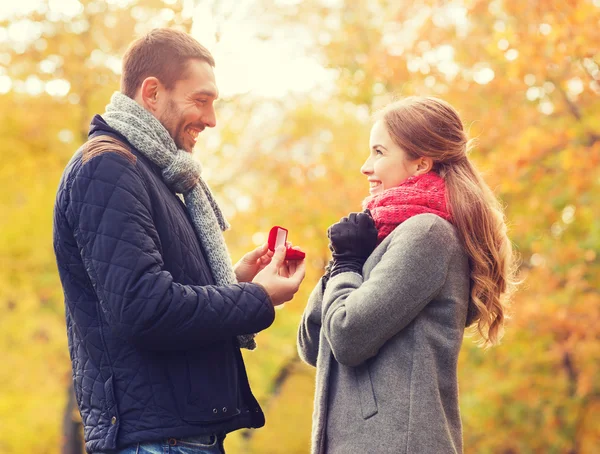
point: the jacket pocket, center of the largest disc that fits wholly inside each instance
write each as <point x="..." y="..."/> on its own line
<point x="110" y="415"/>
<point x="213" y="385"/>
<point x="368" y="403"/>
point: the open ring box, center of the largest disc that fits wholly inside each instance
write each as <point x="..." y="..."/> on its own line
<point x="277" y="237"/>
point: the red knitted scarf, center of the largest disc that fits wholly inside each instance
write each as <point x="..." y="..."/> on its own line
<point x="417" y="195"/>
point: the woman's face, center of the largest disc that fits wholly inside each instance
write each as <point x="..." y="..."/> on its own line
<point x="387" y="165"/>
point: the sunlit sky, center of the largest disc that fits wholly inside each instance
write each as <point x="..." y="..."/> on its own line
<point x="245" y="63"/>
<point x="270" y="68"/>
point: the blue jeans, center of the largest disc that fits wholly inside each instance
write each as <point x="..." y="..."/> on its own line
<point x="207" y="444"/>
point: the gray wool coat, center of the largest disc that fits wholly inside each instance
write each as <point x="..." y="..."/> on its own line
<point x="386" y="346"/>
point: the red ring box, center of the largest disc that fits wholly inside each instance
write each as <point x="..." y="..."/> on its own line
<point x="278" y="236"/>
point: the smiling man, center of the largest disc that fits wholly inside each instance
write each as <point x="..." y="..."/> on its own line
<point x="156" y="313"/>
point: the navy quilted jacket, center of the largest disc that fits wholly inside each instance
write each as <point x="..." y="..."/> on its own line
<point x="151" y="338"/>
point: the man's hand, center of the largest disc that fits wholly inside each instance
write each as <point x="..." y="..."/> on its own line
<point x="281" y="279"/>
<point x="253" y="262"/>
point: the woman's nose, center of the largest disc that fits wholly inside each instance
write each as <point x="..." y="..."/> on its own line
<point x="366" y="168"/>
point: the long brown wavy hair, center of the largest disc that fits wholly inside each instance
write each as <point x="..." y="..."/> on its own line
<point x="430" y="127"/>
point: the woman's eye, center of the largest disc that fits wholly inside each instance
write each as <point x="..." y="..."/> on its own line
<point x="378" y="151"/>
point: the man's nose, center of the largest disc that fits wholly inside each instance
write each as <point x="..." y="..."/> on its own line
<point x="210" y="118"/>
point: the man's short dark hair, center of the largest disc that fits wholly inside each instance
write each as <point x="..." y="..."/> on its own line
<point x="163" y="53"/>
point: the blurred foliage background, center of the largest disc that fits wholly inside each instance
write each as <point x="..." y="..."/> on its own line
<point x="525" y="77"/>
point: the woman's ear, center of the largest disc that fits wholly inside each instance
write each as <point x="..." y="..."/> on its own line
<point x="424" y="165"/>
<point x="149" y="93"/>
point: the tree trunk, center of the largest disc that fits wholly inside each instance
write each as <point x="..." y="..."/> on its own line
<point x="72" y="439"/>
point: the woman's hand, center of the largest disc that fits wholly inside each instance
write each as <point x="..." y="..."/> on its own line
<point x="351" y="242"/>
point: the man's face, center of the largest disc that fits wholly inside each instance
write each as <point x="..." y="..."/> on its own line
<point x="189" y="107"/>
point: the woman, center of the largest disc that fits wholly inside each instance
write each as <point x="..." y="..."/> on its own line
<point x="429" y="257"/>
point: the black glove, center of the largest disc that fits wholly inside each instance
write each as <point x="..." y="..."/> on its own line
<point x="351" y="242"/>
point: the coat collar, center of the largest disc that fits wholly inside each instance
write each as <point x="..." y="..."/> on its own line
<point x="99" y="127"/>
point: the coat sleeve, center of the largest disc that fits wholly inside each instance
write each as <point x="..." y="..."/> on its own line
<point x="360" y="317"/>
<point x="111" y="216"/>
<point x="310" y="327"/>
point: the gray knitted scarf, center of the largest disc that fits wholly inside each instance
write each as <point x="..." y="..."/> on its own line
<point x="182" y="174"/>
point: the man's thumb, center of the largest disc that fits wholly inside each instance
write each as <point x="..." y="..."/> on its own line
<point x="278" y="256"/>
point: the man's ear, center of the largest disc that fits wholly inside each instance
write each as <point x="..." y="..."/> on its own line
<point x="424" y="165"/>
<point x="150" y="93"/>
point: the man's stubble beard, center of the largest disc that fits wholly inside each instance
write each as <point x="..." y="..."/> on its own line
<point x="170" y="119"/>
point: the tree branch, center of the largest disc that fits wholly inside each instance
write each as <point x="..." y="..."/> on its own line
<point x="571" y="373"/>
<point x="572" y="106"/>
<point x="284" y="373"/>
<point x="585" y="70"/>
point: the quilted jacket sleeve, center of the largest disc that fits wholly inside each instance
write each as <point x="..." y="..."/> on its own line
<point x="110" y="214"/>
<point x="359" y="317"/>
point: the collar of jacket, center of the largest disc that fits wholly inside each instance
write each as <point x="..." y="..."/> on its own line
<point x="99" y="127"/>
